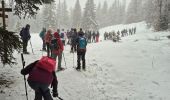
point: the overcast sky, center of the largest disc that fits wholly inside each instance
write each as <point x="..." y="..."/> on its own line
<point x="71" y="3"/>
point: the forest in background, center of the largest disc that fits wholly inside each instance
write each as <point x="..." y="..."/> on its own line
<point x="156" y="13"/>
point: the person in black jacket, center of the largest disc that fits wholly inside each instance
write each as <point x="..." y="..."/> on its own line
<point x="25" y="36"/>
<point x="39" y="80"/>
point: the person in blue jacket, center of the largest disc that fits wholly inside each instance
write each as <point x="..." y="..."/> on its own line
<point x="42" y="36"/>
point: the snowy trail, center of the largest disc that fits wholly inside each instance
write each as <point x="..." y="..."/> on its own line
<point x="137" y="68"/>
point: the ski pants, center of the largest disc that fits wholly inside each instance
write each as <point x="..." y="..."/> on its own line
<point x="59" y="59"/>
<point x="81" y="56"/>
<point x="41" y="90"/>
<point x="48" y="49"/>
<point x="44" y="44"/>
<point x="73" y="48"/>
<point x="25" y="44"/>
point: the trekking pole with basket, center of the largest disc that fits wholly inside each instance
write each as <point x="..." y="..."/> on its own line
<point x="23" y="64"/>
<point x="31" y="47"/>
<point x="64" y="60"/>
<point x="73" y="59"/>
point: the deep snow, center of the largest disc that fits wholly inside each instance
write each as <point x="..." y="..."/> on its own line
<point x="136" y="68"/>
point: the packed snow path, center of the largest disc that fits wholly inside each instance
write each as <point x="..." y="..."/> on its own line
<point x="137" y="68"/>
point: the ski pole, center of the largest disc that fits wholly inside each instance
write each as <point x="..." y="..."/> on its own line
<point x="73" y="59"/>
<point x="31" y="46"/>
<point x="60" y="98"/>
<point x="23" y="64"/>
<point x="64" y="60"/>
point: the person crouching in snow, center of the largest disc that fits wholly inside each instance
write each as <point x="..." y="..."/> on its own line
<point x="57" y="48"/>
<point x="41" y="75"/>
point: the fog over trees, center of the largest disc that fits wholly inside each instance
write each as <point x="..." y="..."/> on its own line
<point x="93" y="16"/>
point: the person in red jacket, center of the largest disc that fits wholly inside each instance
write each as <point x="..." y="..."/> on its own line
<point x="40" y="78"/>
<point x="47" y="39"/>
<point x="57" y="48"/>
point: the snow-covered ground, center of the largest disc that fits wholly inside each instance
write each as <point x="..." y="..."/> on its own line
<point x="137" y="68"/>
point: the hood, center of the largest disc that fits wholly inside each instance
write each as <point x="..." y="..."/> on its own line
<point x="56" y="35"/>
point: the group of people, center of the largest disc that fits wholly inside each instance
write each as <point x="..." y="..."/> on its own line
<point x="42" y="72"/>
<point x="92" y="36"/>
<point x="54" y="44"/>
<point x="116" y="36"/>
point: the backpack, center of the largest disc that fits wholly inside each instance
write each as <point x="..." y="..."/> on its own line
<point x="82" y="42"/>
<point x="46" y="63"/>
<point x="54" y="43"/>
<point x="62" y="35"/>
<point x="21" y="32"/>
<point x="42" y="34"/>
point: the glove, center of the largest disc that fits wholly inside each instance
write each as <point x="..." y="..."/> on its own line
<point x="55" y="94"/>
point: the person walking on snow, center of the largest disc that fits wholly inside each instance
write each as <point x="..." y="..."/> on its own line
<point x="63" y="36"/>
<point x="81" y="50"/>
<point x="48" y="38"/>
<point x="42" y="36"/>
<point x="25" y="36"/>
<point x="97" y="36"/>
<point x="73" y="41"/>
<point x="57" y="49"/>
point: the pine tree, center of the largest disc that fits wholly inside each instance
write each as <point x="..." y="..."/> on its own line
<point x="9" y="41"/>
<point x="134" y="11"/>
<point x="169" y="14"/>
<point x="59" y="15"/>
<point x="64" y="15"/>
<point x="89" y="17"/>
<point x="77" y="15"/>
<point x="149" y="12"/>
<point x="123" y="11"/>
<point x="104" y="16"/>
<point x="156" y="12"/>
<point x="28" y="8"/>
<point x="71" y="17"/>
<point x="164" y="16"/>
<point x="116" y="13"/>
<point x="99" y="14"/>
<point x="49" y="16"/>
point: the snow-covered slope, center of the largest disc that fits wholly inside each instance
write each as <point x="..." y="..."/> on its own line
<point x="141" y="28"/>
<point x="137" y="68"/>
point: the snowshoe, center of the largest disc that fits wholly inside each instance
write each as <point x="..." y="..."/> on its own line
<point x="26" y="53"/>
<point x="60" y="69"/>
<point x="78" y="69"/>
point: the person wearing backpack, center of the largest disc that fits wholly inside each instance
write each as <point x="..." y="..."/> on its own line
<point x="63" y="36"/>
<point x="41" y="75"/>
<point x="48" y="38"/>
<point x="57" y="48"/>
<point x="81" y="50"/>
<point x="73" y="41"/>
<point x="42" y="36"/>
<point x="25" y="36"/>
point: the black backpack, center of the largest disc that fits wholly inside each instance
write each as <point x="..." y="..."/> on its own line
<point x="62" y="35"/>
<point x="54" y="43"/>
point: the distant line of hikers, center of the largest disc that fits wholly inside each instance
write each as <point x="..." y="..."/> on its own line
<point x="116" y="36"/>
